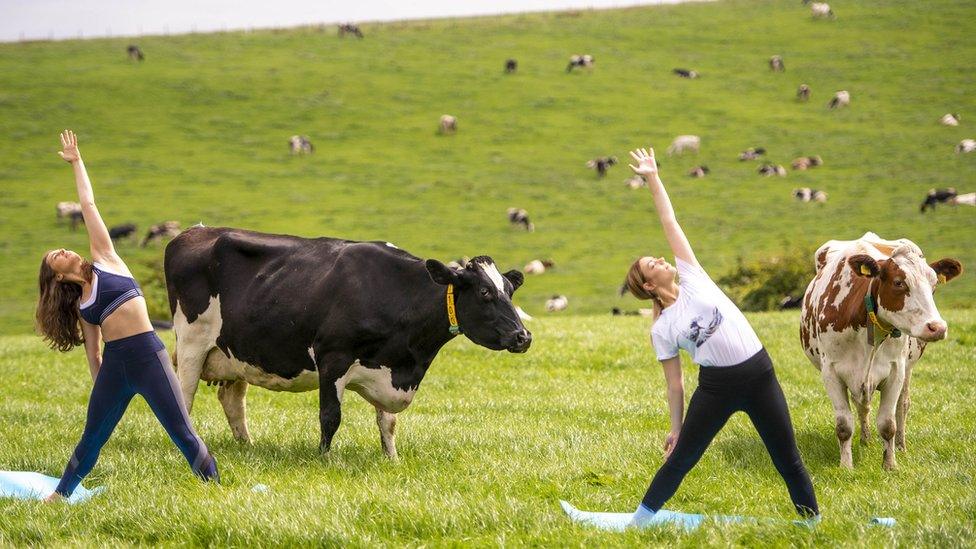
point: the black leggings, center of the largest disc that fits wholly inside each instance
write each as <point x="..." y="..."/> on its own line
<point x="135" y="365"/>
<point x="752" y="388"/>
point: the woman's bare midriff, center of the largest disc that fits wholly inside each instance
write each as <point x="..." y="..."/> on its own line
<point x="131" y="318"/>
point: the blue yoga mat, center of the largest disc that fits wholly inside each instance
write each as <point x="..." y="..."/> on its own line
<point x="27" y="485"/>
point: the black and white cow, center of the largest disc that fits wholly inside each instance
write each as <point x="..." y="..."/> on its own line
<point x="122" y="231"/>
<point x="685" y="73"/>
<point x="297" y="314"/>
<point x="938" y="196"/>
<point x="135" y="53"/>
<point x="511" y="65"/>
<point x="349" y="28"/>
<point x="601" y="164"/>
<point x="581" y="61"/>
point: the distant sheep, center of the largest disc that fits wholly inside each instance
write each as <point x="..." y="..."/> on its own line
<point x="840" y="99"/>
<point x="752" y="153"/>
<point x="537" y="266"/>
<point x="803" y="93"/>
<point x="685" y="73"/>
<point x="557" y="303"/>
<point x="300" y="144"/>
<point x="776" y="64"/>
<point x="949" y="120"/>
<point x="806" y="162"/>
<point x="821" y="10"/>
<point x="636" y="182"/>
<point x="518" y="216"/>
<point x="601" y="164"/>
<point x="511" y="66"/>
<point x="806" y="194"/>
<point x="699" y="171"/>
<point x="966" y="146"/>
<point x="135" y="53"/>
<point x="448" y="124"/>
<point x="581" y="61"/>
<point x="769" y="170"/>
<point x="684" y="143"/>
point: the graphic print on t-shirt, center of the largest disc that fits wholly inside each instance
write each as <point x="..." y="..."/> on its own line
<point x="699" y="334"/>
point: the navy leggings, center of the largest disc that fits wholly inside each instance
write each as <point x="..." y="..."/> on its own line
<point x="135" y="365"/>
<point x="750" y="387"/>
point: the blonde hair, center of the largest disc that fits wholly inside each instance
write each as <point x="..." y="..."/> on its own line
<point x="635" y="284"/>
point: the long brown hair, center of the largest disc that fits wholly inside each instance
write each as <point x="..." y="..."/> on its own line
<point x="58" y="317"/>
<point x="635" y="283"/>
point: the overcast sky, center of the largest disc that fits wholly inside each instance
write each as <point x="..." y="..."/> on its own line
<point x="53" y="19"/>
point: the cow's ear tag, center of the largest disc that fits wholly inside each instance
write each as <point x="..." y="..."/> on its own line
<point x="865" y="270"/>
<point x="942" y="278"/>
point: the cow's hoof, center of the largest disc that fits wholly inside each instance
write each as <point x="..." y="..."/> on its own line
<point x="244" y="440"/>
<point x="324" y="449"/>
<point x="865" y="441"/>
<point x="901" y="446"/>
<point x="888" y="463"/>
<point x="847" y="464"/>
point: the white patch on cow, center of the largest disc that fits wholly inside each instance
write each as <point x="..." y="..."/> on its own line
<point x="376" y="386"/>
<point x="219" y="367"/>
<point x="493" y="274"/>
<point x="392" y="245"/>
<point x="311" y="354"/>
<point x="193" y="343"/>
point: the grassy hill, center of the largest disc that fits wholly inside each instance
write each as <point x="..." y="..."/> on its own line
<point x="198" y="133"/>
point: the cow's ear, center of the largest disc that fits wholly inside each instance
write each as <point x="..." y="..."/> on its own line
<point x="441" y="273"/>
<point x="864" y="265"/>
<point x="516" y="278"/>
<point x="947" y="269"/>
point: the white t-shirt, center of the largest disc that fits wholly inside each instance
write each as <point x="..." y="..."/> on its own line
<point x="704" y="322"/>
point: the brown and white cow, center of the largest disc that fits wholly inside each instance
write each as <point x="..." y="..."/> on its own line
<point x="835" y="330"/>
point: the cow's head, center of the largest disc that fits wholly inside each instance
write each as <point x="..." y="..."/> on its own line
<point x="905" y="285"/>
<point x="483" y="298"/>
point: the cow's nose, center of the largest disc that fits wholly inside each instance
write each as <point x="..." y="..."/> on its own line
<point x="937" y="329"/>
<point x="522" y="340"/>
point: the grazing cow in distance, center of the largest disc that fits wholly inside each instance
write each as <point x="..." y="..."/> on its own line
<point x="537" y="266"/>
<point x="867" y="316"/>
<point x="349" y="28"/>
<point x="448" y="124"/>
<point x="166" y="229"/>
<point x="684" y="143"/>
<point x="511" y="66"/>
<point x="699" y="171"/>
<point x="752" y="153"/>
<point x="300" y="144"/>
<point x="937" y="196"/>
<point x="790" y="302"/>
<point x="776" y="64"/>
<point x="459" y="263"/>
<point x="950" y="119"/>
<point x="601" y="164"/>
<point x="135" y="53"/>
<point x="806" y="194"/>
<point x="806" y="162"/>
<point x="581" y="61"/>
<point x="302" y="314"/>
<point x="840" y="99"/>
<point x="803" y="93"/>
<point x="769" y="170"/>
<point x="966" y="146"/>
<point x="616" y="311"/>
<point x="636" y="182"/>
<point x="821" y="10"/>
<point x="65" y="209"/>
<point x="557" y="303"/>
<point x="685" y="73"/>
<point x="518" y="216"/>
<point x="122" y="231"/>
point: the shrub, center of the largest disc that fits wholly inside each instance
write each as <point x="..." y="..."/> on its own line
<point x="761" y="285"/>
<point x="152" y="279"/>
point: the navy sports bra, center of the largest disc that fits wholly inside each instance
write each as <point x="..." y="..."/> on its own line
<point x="109" y="291"/>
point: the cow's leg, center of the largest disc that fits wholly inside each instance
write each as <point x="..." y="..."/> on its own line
<point x="890" y="391"/>
<point x="901" y="413"/>
<point x="844" y="427"/>
<point x="332" y="367"/>
<point x="387" y="424"/>
<point x="863" y="411"/>
<point x="232" y="397"/>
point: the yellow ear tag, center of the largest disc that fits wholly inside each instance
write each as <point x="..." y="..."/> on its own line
<point x="865" y="271"/>
<point x="942" y="278"/>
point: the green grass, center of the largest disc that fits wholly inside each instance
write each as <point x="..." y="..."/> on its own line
<point x="198" y="133"/>
<point x="487" y="449"/>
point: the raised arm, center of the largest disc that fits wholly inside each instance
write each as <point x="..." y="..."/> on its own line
<point x="647" y="167"/>
<point x="98" y="239"/>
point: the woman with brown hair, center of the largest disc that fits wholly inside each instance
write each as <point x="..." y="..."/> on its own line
<point x="82" y="302"/>
<point x="735" y="374"/>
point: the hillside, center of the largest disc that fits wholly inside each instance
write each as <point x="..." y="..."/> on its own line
<point x="198" y="132"/>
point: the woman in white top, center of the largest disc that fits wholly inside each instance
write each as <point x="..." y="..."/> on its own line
<point x="736" y="373"/>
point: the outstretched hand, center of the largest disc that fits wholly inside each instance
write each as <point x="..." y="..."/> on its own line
<point x="69" y="145"/>
<point x="646" y="165"/>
